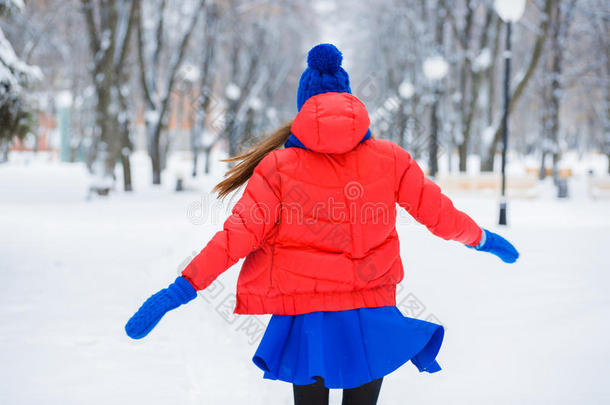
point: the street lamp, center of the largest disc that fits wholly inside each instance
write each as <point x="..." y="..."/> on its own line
<point x="435" y="69"/>
<point x="510" y="11"/>
<point x="63" y="101"/>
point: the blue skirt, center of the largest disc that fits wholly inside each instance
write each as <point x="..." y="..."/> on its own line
<point x="346" y="348"/>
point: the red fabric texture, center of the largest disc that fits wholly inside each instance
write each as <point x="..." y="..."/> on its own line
<point x="317" y="225"/>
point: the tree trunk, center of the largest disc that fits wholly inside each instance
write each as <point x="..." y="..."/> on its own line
<point x="542" y="172"/>
<point x="232" y="137"/>
<point x="207" y="63"/>
<point x="126" y="148"/>
<point x="434" y="127"/>
<point x="463" y="156"/>
<point x="4" y="147"/>
<point x="196" y="137"/>
<point x="151" y="85"/>
<point x="561" y="14"/>
<point x="401" y="124"/>
<point x="474" y="77"/>
<point x="125" y="162"/>
<point x="195" y="161"/>
<point x="108" y="50"/>
<point x="556" y="54"/>
<point x="487" y="163"/>
<point x="155" y="158"/>
<point x="433" y="145"/>
<point x="545" y="117"/>
<point x="207" y="152"/>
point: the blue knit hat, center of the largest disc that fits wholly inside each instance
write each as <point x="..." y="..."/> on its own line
<point x="323" y="74"/>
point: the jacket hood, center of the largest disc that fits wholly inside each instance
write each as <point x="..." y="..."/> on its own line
<point x="331" y="123"/>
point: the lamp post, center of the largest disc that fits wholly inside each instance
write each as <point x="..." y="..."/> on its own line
<point x="510" y="11"/>
<point x="63" y="102"/>
<point x="435" y="69"/>
<point x="190" y="75"/>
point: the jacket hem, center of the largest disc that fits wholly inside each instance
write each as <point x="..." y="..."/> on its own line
<point x="296" y="304"/>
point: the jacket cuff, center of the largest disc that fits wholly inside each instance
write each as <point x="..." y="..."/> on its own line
<point x="182" y="290"/>
<point x="480" y="241"/>
<point x="483" y="239"/>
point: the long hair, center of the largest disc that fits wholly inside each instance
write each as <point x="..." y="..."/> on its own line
<point x="242" y="171"/>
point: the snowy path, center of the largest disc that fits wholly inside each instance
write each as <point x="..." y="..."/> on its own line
<point x="72" y="272"/>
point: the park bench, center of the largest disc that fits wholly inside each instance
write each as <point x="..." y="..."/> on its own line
<point x="518" y="186"/>
<point x="599" y="187"/>
<point x="564" y="173"/>
<point x="99" y="187"/>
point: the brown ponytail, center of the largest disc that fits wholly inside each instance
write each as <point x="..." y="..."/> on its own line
<point x="241" y="172"/>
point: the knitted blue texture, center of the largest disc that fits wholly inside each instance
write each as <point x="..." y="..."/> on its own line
<point x="293" y="141"/>
<point x="150" y="313"/>
<point x="323" y="74"/>
<point x="497" y="245"/>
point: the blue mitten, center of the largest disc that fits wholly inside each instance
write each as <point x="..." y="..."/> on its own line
<point x="497" y="245"/>
<point x="150" y="313"/>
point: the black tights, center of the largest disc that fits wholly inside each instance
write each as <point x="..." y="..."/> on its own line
<point x="317" y="393"/>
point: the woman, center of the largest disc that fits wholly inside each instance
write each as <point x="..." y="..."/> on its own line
<point x="316" y="223"/>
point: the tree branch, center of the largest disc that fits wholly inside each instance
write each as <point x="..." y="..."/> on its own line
<point x="453" y="23"/>
<point x="92" y="31"/>
<point x="175" y="64"/>
<point x="159" y="42"/>
<point x="122" y="47"/>
<point x="141" y="60"/>
<point x="536" y="53"/>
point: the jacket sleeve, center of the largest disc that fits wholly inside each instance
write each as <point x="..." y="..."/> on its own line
<point x="251" y="219"/>
<point x="424" y="200"/>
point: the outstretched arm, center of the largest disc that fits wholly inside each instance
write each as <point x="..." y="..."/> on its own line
<point x="424" y="200"/>
<point x="253" y="216"/>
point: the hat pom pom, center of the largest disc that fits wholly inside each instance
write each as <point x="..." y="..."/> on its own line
<point x="325" y="58"/>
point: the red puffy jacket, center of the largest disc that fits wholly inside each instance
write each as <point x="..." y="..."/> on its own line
<point x="317" y="225"/>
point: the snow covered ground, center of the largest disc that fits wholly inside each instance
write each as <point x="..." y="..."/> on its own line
<point x="72" y="271"/>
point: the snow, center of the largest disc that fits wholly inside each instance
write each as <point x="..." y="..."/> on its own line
<point x="105" y="41"/>
<point x="435" y="67"/>
<point x="271" y="113"/>
<point x="11" y="6"/>
<point x="190" y="72"/>
<point x="13" y="69"/>
<point x="18" y="4"/>
<point x="151" y="116"/>
<point x="487" y="135"/>
<point x="406" y="90"/>
<point x="256" y="104"/>
<point x="483" y="60"/>
<point x="324" y="7"/>
<point x="232" y="91"/>
<point x="73" y="271"/>
<point x="207" y="138"/>
<point x="7" y="76"/>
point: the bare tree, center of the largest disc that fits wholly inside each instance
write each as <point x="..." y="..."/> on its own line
<point x="157" y="91"/>
<point x="206" y="83"/>
<point x="436" y="96"/>
<point x="247" y="77"/>
<point x="109" y="27"/>
<point x="487" y="161"/>
<point x="598" y="25"/>
<point x="560" y="23"/>
<point x="475" y="64"/>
